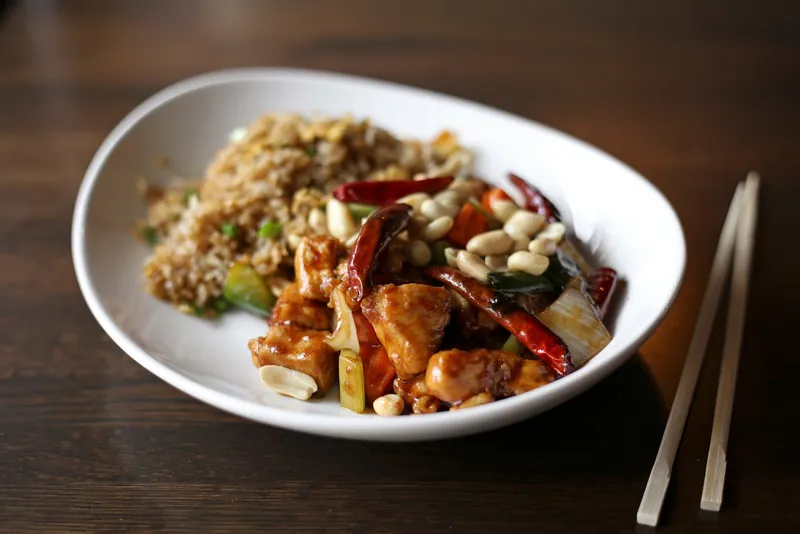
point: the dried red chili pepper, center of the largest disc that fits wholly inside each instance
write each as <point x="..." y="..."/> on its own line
<point x="387" y="192"/>
<point x="376" y="234"/>
<point x="543" y="343"/>
<point x="535" y="201"/>
<point x="601" y="288"/>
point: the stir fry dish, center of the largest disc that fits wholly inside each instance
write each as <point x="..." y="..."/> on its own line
<point x="413" y="287"/>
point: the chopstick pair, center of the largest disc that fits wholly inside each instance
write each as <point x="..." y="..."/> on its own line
<point x="736" y="241"/>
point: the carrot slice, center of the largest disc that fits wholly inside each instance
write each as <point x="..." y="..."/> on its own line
<point x="492" y="196"/>
<point x="378" y="371"/>
<point x="468" y="223"/>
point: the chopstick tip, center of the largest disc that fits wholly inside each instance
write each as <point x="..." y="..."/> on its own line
<point x="710" y="505"/>
<point x="649" y="520"/>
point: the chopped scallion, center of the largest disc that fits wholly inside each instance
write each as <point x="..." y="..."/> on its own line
<point x="270" y="230"/>
<point x="149" y="234"/>
<point x="514" y="345"/>
<point x="229" y="229"/>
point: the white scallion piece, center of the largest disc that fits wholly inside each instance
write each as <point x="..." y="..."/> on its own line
<point x="573" y="318"/>
<point x="344" y="335"/>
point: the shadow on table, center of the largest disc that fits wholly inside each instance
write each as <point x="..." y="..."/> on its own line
<point x="618" y="419"/>
<point x="613" y="429"/>
<point x="610" y="429"/>
<point x="5" y="7"/>
<point x="583" y="462"/>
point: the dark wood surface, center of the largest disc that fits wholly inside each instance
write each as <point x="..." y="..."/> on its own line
<point x="691" y="94"/>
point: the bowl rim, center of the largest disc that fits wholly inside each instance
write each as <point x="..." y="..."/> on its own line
<point x="342" y="425"/>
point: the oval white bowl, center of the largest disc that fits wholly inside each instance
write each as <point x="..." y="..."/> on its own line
<point x="619" y="215"/>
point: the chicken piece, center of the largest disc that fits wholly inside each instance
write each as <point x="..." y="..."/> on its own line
<point x="299" y="349"/>
<point x="476" y="400"/>
<point x="341" y="269"/>
<point x="457" y="375"/>
<point x="293" y="308"/>
<point x="531" y="375"/>
<point x="409" y="320"/>
<point x="314" y="265"/>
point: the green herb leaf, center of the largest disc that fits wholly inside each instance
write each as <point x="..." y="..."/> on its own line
<point x="149" y="234"/>
<point x="229" y="229"/>
<point x="553" y="280"/>
<point x="311" y="151"/>
<point x="270" y="230"/>
<point x="519" y="282"/>
<point x="559" y="271"/>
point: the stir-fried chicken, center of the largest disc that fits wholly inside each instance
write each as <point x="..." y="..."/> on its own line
<point x="475" y="400"/>
<point x="457" y="375"/>
<point x="409" y="321"/>
<point x="296" y="338"/>
<point x="531" y="375"/>
<point x="299" y="349"/>
<point x="314" y="265"/>
<point x="293" y="308"/>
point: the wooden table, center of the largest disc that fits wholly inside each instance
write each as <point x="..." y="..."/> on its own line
<point x="692" y="96"/>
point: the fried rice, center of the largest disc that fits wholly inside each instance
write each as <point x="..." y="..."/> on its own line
<point x="280" y="169"/>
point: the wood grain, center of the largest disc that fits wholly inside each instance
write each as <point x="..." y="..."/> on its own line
<point x="692" y="94"/>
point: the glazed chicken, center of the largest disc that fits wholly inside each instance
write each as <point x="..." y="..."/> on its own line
<point x="409" y="320"/>
<point x="299" y="349"/>
<point x="457" y="375"/>
<point x="397" y="308"/>
<point x="292" y="308"/>
<point x="297" y="337"/>
<point x="314" y="264"/>
<point x="531" y="375"/>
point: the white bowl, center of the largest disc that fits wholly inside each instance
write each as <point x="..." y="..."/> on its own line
<point x="621" y="217"/>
